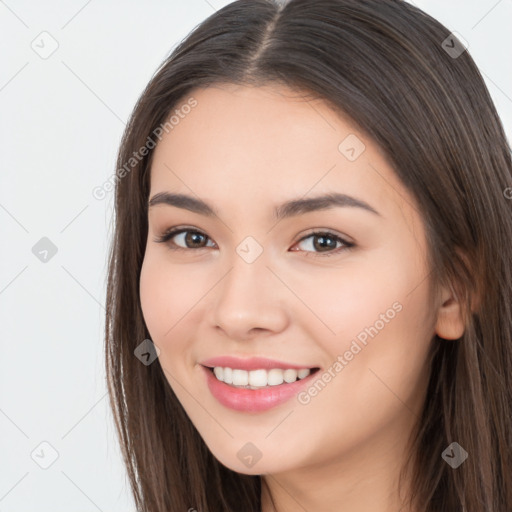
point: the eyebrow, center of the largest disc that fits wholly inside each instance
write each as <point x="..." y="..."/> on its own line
<point x="290" y="208"/>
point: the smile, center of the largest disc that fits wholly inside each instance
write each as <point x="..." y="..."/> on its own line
<point x="256" y="379"/>
<point x="272" y="387"/>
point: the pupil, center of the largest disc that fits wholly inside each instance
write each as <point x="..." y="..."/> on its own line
<point x="191" y="237"/>
<point x="323" y="244"/>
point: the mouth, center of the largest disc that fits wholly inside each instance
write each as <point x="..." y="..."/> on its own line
<point x="259" y="378"/>
<point x="256" y="391"/>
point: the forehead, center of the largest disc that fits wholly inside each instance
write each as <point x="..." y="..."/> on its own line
<point x="254" y="145"/>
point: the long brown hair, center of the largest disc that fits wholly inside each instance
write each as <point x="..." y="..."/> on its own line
<point x="385" y="65"/>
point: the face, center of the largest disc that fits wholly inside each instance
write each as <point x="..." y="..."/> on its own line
<point x="342" y="287"/>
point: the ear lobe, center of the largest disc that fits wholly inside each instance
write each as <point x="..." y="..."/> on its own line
<point x="451" y="322"/>
<point x="450" y="319"/>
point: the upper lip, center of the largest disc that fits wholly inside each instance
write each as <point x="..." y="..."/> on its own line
<point x="252" y="363"/>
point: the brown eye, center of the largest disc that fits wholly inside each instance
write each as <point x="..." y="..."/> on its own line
<point x="194" y="239"/>
<point x="186" y="239"/>
<point x="326" y="243"/>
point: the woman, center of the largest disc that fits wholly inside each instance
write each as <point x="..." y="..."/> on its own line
<point x="309" y="291"/>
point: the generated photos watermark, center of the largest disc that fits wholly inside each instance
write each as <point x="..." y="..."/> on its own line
<point x="358" y="343"/>
<point x="100" y="192"/>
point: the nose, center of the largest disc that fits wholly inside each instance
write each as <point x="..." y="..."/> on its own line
<point x="250" y="299"/>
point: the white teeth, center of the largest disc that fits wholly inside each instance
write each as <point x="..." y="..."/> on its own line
<point x="303" y="373"/>
<point x="240" y="378"/>
<point x="228" y="376"/>
<point x="290" y="375"/>
<point x="256" y="379"/>
<point x="275" y="377"/>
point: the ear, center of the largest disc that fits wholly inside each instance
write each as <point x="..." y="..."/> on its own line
<point x="450" y="319"/>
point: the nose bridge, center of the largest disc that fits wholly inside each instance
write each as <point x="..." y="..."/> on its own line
<point x="249" y="295"/>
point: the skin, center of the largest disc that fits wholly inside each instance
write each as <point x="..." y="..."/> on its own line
<point x="245" y="150"/>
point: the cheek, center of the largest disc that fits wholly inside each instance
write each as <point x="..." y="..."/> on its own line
<point x="159" y="291"/>
<point x="339" y="303"/>
<point x="375" y="372"/>
<point x="171" y="298"/>
<point x="375" y="310"/>
<point x="384" y="330"/>
<point x="150" y="290"/>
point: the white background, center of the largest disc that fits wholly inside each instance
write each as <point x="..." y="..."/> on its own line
<point x="61" y="123"/>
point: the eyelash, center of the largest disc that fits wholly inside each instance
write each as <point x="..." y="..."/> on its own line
<point x="171" y="232"/>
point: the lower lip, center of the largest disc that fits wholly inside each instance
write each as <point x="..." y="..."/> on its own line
<point x="253" y="400"/>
